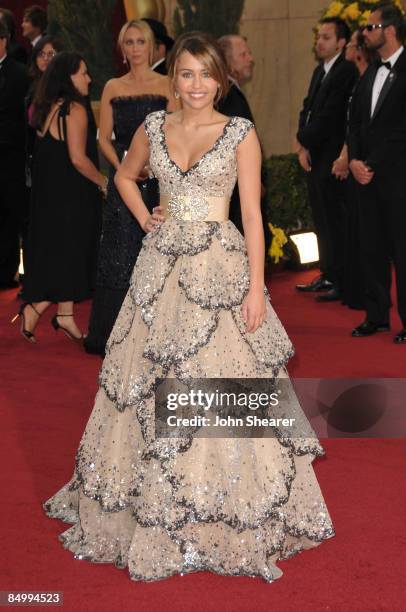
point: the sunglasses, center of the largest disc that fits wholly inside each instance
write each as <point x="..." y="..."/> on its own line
<point x="370" y="27"/>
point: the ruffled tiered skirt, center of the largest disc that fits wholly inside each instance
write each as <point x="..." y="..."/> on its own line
<point x="164" y="506"/>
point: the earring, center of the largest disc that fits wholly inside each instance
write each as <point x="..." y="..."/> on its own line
<point x="176" y="94"/>
<point x="124" y="59"/>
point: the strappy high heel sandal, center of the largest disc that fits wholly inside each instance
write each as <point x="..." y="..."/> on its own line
<point x="56" y="325"/>
<point x="29" y="336"/>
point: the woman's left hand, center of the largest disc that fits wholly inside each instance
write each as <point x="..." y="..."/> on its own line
<point x="254" y="310"/>
<point x="155" y="220"/>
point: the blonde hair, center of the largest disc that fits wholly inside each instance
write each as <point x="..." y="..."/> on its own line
<point x="144" y="28"/>
<point x="206" y="49"/>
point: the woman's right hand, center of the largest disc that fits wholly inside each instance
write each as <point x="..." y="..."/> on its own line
<point x="154" y="221"/>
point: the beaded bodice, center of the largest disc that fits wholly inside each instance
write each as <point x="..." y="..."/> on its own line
<point x="214" y="174"/>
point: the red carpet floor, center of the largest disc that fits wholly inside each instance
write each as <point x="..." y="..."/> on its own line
<point x="46" y="396"/>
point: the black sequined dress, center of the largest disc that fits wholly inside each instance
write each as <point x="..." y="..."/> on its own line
<point x="122" y="235"/>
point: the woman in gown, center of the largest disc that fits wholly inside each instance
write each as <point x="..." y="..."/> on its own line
<point x="125" y="103"/>
<point x="196" y="308"/>
<point x="65" y="215"/>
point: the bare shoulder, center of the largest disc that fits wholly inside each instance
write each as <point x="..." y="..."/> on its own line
<point x="140" y="138"/>
<point x="111" y="87"/>
<point x="77" y="111"/>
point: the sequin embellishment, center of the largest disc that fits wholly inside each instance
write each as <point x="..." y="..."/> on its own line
<point x="188" y="209"/>
<point x="167" y="506"/>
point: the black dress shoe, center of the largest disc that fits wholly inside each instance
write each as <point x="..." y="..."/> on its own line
<point x="400" y="338"/>
<point x="318" y="284"/>
<point x="333" y="295"/>
<point x="367" y="328"/>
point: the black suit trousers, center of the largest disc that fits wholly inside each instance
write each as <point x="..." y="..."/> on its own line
<point x="326" y="196"/>
<point x="382" y="236"/>
<point x="13" y="212"/>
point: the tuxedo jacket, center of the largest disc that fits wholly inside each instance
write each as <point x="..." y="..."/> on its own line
<point x="161" y="68"/>
<point x="380" y="140"/>
<point x="235" y="104"/>
<point x="13" y="89"/>
<point x="323" y="118"/>
<point x="17" y="52"/>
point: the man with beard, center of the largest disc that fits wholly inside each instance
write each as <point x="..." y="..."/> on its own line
<point x="377" y="153"/>
<point x="320" y="137"/>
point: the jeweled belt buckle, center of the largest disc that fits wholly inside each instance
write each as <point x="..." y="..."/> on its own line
<point x="188" y="208"/>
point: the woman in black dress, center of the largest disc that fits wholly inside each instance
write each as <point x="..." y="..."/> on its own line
<point x="42" y="54"/>
<point x="125" y="103"/>
<point x="65" y="199"/>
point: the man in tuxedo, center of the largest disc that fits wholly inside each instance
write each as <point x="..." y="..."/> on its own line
<point x="34" y="24"/>
<point x="377" y="153"/>
<point x="163" y="45"/>
<point x="240" y="64"/>
<point x="14" y="50"/>
<point x="13" y="88"/>
<point x="320" y="137"/>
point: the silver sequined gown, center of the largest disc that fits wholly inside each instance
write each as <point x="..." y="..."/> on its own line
<point x="160" y="507"/>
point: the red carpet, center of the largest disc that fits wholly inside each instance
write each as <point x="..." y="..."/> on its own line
<point x="46" y="396"/>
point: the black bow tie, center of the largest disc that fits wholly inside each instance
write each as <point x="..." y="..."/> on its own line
<point x="386" y="65"/>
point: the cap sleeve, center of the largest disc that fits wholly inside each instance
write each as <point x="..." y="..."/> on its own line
<point x="152" y="123"/>
<point x="243" y="126"/>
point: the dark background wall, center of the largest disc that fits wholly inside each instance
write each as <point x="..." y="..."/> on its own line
<point x="18" y="7"/>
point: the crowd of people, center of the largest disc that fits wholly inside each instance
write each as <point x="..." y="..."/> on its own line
<point x="356" y="212"/>
<point x="57" y="161"/>
<point x="351" y="142"/>
<point x="178" y="292"/>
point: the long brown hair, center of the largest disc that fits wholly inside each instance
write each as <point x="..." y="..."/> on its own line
<point x="56" y="84"/>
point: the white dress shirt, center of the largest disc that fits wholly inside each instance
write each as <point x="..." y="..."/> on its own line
<point x="36" y="40"/>
<point x="381" y="76"/>
<point x="158" y="63"/>
<point x="328" y="65"/>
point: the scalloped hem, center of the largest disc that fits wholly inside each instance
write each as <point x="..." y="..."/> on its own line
<point x="270" y="573"/>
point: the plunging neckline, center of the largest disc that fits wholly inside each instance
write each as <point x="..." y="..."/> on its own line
<point x="212" y="148"/>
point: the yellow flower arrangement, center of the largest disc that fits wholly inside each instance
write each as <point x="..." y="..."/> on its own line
<point x="364" y="17"/>
<point x="279" y="239"/>
<point x="351" y="12"/>
<point x="334" y="9"/>
<point x="356" y="14"/>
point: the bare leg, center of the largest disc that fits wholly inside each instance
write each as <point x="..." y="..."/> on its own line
<point x="66" y="320"/>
